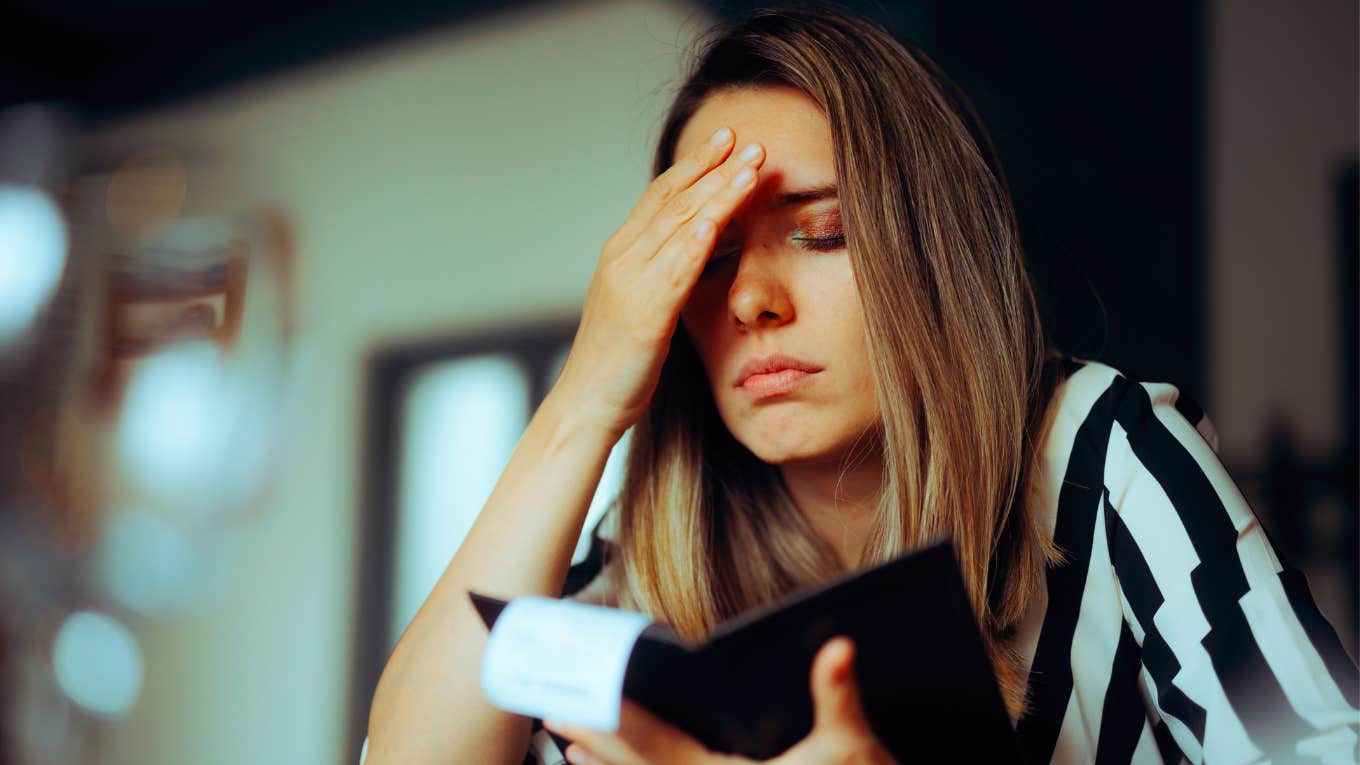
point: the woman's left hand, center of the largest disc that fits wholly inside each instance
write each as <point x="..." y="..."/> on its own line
<point x="840" y="733"/>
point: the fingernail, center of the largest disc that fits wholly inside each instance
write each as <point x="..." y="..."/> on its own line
<point x="743" y="178"/>
<point x="847" y="658"/>
<point x="750" y="151"/>
<point x="722" y="136"/>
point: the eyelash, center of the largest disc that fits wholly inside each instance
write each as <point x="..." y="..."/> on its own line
<point x="823" y="243"/>
<point x="814" y="243"/>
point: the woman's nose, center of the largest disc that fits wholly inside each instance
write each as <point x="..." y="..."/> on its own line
<point x="758" y="295"/>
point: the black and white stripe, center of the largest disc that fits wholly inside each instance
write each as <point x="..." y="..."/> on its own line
<point x="1173" y="631"/>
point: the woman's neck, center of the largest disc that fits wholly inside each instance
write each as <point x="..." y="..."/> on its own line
<point x="838" y="501"/>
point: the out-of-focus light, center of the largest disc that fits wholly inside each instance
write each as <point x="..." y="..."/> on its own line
<point x="32" y="255"/>
<point x="147" y="563"/>
<point x="172" y="432"/>
<point x="98" y="663"/>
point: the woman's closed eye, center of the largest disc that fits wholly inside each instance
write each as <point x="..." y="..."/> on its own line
<point x="828" y="243"/>
<point x="820" y="243"/>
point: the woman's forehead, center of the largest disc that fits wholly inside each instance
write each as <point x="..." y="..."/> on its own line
<point x="789" y="124"/>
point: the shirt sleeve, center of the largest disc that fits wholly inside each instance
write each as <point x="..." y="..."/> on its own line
<point x="591" y="580"/>
<point x="1237" y="662"/>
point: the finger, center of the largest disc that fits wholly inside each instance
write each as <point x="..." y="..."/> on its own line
<point x="835" y="692"/>
<point x="641" y="738"/>
<point x="684" y="255"/>
<point x="577" y="754"/>
<point x="658" y="741"/>
<point x="672" y="182"/>
<point x="596" y="746"/>
<point x="716" y="197"/>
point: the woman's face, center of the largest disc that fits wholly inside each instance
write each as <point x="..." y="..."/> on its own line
<point x="779" y="284"/>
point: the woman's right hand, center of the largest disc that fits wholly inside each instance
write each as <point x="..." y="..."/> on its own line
<point x="645" y="274"/>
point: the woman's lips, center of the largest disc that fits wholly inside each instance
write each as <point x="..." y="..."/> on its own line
<point x="774" y="375"/>
<point x="770" y="384"/>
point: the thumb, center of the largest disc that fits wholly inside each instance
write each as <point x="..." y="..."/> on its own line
<point x="835" y="691"/>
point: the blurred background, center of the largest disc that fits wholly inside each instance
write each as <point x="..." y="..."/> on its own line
<point x="281" y="283"/>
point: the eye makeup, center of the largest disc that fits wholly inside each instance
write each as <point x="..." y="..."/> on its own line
<point x="820" y="232"/>
<point x="817" y="243"/>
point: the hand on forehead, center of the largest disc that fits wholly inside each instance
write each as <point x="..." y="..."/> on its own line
<point x="789" y="124"/>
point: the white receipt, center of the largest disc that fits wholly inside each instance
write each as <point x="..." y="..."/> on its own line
<point x="560" y="660"/>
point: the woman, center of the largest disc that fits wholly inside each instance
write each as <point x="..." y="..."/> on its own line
<point x="828" y="345"/>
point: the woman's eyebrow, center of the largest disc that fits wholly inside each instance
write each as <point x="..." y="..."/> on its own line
<point x="804" y="196"/>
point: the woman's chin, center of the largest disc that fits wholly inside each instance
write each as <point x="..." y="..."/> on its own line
<point x="792" y="451"/>
<point x="788" y="437"/>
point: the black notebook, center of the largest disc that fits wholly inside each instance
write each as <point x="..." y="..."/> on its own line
<point x="924" y="677"/>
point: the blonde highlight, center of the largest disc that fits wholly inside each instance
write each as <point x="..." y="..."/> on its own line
<point x="961" y="366"/>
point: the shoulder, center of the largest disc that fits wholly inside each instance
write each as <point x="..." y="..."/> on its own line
<point x="1148" y="433"/>
<point x="1142" y="470"/>
<point x="1111" y="438"/>
<point x="1107" y="396"/>
<point x="1101" y="412"/>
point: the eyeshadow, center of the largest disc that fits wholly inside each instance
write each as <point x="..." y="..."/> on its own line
<point x="824" y="223"/>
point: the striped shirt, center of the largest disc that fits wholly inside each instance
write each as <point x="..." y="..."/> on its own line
<point x="1173" y="631"/>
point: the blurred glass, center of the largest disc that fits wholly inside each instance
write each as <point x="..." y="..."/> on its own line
<point x="147" y="374"/>
<point x="98" y="663"/>
<point x="197" y="363"/>
<point x="32" y="256"/>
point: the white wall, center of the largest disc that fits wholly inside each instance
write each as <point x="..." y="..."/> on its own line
<point x="465" y="177"/>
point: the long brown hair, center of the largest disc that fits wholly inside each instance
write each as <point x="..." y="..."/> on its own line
<point x="708" y="530"/>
